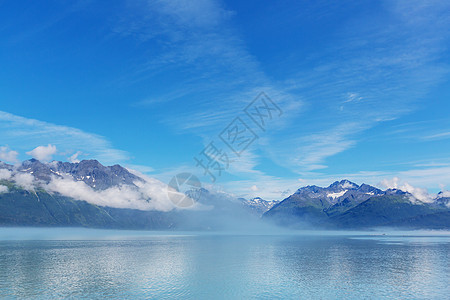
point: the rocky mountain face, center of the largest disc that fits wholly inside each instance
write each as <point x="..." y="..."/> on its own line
<point x="443" y="199"/>
<point x="345" y="204"/>
<point x="91" y="172"/>
<point x="22" y="205"/>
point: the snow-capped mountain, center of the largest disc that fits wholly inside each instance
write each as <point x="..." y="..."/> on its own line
<point x="347" y="204"/>
<point x="90" y="181"/>
<point x="443" y="198"/>
<point x="90" y="194"/>
<point x="338" y="194"/>
<point x="91" y="172"/>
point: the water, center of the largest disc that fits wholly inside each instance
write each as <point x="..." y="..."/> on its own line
<point x="118" y="264"/>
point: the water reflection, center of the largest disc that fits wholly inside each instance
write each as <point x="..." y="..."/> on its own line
<point x="218" y="266"/>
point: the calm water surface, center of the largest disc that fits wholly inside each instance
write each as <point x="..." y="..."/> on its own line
<point x="49" y="263"/>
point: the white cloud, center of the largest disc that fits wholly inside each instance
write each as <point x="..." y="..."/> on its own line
<point x="5" y="174"/>
<point x="3" y="189"/>
<point x="8" y="155"/>
<point x="74" y="158"/>
<point x="120" y="197"/>
<point x="150" y="194"/>
<point x="418" y="193"/>
<point x="24" y="180"/>
<point x="254" y="188"/>
<point x="43" y="153"/>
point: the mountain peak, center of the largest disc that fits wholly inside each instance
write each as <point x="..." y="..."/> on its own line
<point x="90" y="162"/>
<point x="343" y="184"/>
<point x="31" y="161"/>
<point x="91" y="172"/>
<point x="309" y="189"/>
<point x="443" y="194"/>
<point x="365" y="188"/>
<point x="395" y="192"/>
<point x="39" y="170"/>
<point x="4" y="165"/>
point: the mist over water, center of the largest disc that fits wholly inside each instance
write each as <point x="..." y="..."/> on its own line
<point x="49" y="263"/>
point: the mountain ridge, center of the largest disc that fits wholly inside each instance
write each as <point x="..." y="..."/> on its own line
<point x="344" y="204"/>
<point x="72" y="194"/>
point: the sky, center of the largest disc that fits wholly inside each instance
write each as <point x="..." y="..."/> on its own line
<point x="321" y="90"/>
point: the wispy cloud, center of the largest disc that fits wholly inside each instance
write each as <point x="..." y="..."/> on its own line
<point x="220" y="75"/>
<point x="438" y="136"/>
<point x="353" y="97"/>
<point x="418" y="131"/>
<point x="382" y="71"/>
<point x="26" y="133"/>
<point x="310" y="151"/>
<point x="390" y="67"/>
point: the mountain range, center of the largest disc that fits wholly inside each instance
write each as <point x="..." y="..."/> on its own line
<point x="88" y="194"/>
<point x="91" y="172"/>
<point x="345" y="204"/>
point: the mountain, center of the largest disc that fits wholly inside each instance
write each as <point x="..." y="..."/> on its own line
<point x="315" y="204"/>
<point x="443" y="199"/>
<point x="344" y="204"/>
<point x="20" y="207"/>
<point x="84" y="194"/>
<point x="257" y="205"/>
<point x="387" y="210"/>
<point x="89" y="194"/>
<point x="91" y="172"/>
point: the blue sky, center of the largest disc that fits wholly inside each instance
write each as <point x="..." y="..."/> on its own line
<point x="363" y="87"/>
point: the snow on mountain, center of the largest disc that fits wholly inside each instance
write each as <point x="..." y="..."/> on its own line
<point x="90" y="181"/>
<point x="259" y="205"/>
<point x="336" y="195"/>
